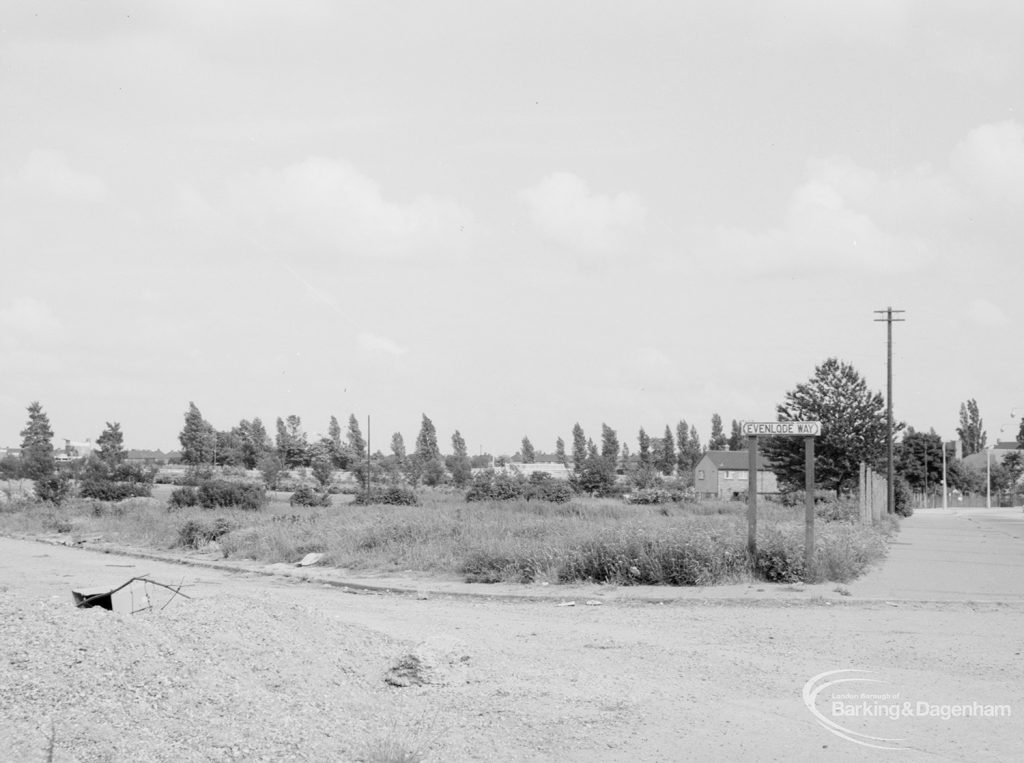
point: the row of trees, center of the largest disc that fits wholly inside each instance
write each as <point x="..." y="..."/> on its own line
<point x="854" y="431"/>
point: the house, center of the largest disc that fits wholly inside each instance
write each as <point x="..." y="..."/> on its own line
<point x="725" y="473"/>
<point x="979" y="461"/>
<point x="73" y="450"/>
<point x="147" y="457"/>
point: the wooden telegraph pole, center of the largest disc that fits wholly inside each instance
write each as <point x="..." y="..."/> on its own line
<point x="806" y="429"/>
<point x="890" y="472"/>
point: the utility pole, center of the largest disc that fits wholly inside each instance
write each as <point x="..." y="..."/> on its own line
<point x="890" y="471"/>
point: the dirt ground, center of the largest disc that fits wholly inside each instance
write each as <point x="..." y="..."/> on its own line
<point x="269" y="667"/>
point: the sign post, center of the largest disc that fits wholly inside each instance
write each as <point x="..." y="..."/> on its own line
<point x="806" y="429"/>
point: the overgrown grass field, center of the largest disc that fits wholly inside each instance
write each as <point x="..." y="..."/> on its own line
<point x="600" y="540"/>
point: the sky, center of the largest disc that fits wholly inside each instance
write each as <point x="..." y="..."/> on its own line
<point x="508" y="216"/>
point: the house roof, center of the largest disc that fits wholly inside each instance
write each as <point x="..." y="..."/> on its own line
<point x="979" y="460"/>
<point x="735" y="459"/>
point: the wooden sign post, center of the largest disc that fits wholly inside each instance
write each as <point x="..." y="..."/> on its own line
<point x="806" y="429"/>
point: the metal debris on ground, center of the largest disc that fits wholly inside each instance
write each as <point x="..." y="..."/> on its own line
<point x="130" y="597"/>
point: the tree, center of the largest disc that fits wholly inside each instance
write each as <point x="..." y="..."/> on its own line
<point x="356" y="443"/>
<point x="197" y="438"/>
<point x="458" y="462"/>
<point x="853" y="428"/>
<point x="1013" y="464"/>
<point x="426" y="441"/>
<point x="291" y="442"/>
<point x="666" y="463"/>
<point x="971" y="429"/>
<point x="426" y="463"/>
<point x="736" y="436"/>
<point x="528" y="453"/>
<point x="918" y="459"/>
<point x="398" y="446"/>
<point x="609" y="444"/>
<point x="560" y="456"/>
<point x="579" y="447"/>
<point x="684" y="458"/>
<point x="37" y="460"/>
<point x="322" y="462"/>
<point x="696" y="451"/>
<point x="111" y="442"/>
<point x="592" y="473"/>
<point x="252" y="442"/>
<point x="717" y="441"/>
<point x="645" y="448"/>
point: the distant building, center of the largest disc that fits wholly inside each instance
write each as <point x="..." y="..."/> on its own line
<point x="725" y="474"/>
<point x="148" y="457"/>
<point x="979" y="461"/>
<point x="10" y="452"/>
<point x="74" y="451"/>
<point x="553" y="469"/>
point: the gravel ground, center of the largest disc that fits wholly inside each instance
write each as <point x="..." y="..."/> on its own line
<point x="260" y="668"/>
<point x="207" y="679"/>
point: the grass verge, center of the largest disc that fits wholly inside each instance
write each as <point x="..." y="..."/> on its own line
<point x="597" y="540"/>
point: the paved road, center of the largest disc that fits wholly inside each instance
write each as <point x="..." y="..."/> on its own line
<point x="952" y="555"/>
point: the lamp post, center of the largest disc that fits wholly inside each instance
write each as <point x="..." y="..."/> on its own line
<point x="945" y="491"/>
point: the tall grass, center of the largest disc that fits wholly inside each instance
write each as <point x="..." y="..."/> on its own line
<point x="600" y="540"/>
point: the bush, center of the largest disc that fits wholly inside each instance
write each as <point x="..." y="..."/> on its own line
<point x="394" y="495"/>
<point x="196" y="533"/>
<point x="307" y="496"/>
<point x="544" y="487"/>
<point x="490" y="486"/>
<point x="780" y="558"/>
<point x="903" y="496"/>
<point x="221" y="494"/>
<point x="53" y="488"/>
<point x="183" y="497"/>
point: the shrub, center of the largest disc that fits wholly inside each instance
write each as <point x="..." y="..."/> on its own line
<point x="903" y="496"/>
<point x="307" y="496"/>
<point x="544" y="487"/>
<point x="490" y="486"/>
<point x="196" y="533"/>
<point x="780" y="558"/>
<point x="635" y="557"/>
<point x="833" y="510"/>
<point x="221" y="494"/>
<point x="183" y="497"/>
<point x="394" y="495"/>
<point x="53" y="488"/>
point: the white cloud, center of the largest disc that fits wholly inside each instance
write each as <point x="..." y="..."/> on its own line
<point x="328" y="205"/>
<point x="991" y="160"/>
<point x="564" y="209"/>
<point x="29" y="319"/>
<point x="821" y="234"/>
<point x="380" y="344"/>
<point x="981" y="312"/>
<point x="48" y="173"/>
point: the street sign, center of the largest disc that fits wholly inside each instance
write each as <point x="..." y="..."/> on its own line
<point x="794" y="428"/>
